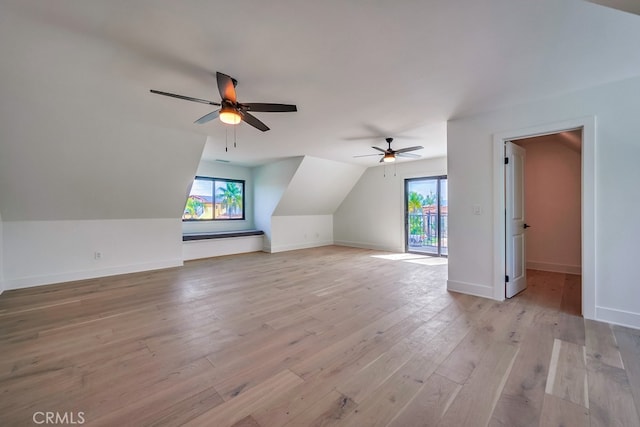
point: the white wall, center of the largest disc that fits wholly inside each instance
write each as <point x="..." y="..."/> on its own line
<point x="44" y="252"/>
<point x="470" y="171"/>
<point x="553" y="204"/>
<point x="120" y="191"/>
<point x="270" y="183"/>
<point x="318" y="187"/>
<point x="301" y="231"/>
<point x="296" y="198"/>
<point x="221" y="170"/>
<point x="372" y="214"/>
<point x="94" y="168"/>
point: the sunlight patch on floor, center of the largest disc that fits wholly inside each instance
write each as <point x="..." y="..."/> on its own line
<point x="414" y="258"/>
<point x="429" y="261"/>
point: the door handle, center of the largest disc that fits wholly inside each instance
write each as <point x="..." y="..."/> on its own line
<point x="525" y="226"/>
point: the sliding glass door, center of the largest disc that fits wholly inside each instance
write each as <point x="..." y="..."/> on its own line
<point x="426" y="215"/>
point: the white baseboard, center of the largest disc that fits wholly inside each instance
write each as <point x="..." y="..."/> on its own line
<point x="27" y="282"/>
<point x="556" y="268"/>
<point x="366" y="245"/>
<point x="296" y="246"/>
<point x="470" y="288"/>
<point x="618" y="317"/>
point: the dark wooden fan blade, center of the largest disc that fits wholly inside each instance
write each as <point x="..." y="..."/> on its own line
<point x="186" y="98"/>
<point x="269" y="108"/>
<point x="404" y="150"/>
<point x="368" y="155"/>
<point x="408" y="155"/>
<point x="253" y="121"/>
<point x="379" y="149"/>
<point x="208" y="117"/>
<point x="226" y="87"/>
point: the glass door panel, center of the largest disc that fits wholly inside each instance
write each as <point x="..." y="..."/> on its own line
<point x="424" y="198"/>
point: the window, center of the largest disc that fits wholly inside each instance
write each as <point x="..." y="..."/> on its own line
<point x="215" y="199"/>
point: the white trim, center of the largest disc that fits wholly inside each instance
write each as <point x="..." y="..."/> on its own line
<point x="471" y="289"/>
<point x="588" y="125"/>
<point x="618" y="317"/>
<point x="555" y="268"/>
<point x="27" y="282"/>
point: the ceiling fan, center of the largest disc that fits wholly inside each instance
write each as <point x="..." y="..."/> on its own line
<point x="231" y="111"/>
<point x="389" y="155"/>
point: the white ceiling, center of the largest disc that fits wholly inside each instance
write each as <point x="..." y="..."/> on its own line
<point x="358" y="70"/>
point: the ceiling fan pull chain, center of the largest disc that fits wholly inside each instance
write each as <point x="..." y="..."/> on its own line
<point x="234" y="137"/>
<point x="226" y="143"/>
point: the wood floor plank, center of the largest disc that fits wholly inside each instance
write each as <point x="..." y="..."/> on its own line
<point x="322" y="336"/>
<point x="560" y="412"/>
<point x="629" y="345"/>
<point x="571" y="302"/>
<point x="610" y="400"/>
<point x="567" y="378"/>
<point x="243" y="405"/>
<point x="328" y="355"/>
<point x="371" y="376"/>
<point x="327" y="411"/>
<point x="171" y="407"/>
<point x="571" y="329"/>
<point x="248" y="421"/>
<point x="600" y="343"/>
<point x="295" y="401"/>
<point x="429" y="404"/>
<point x="520" y="404"/>
<point x="490" y="327"/>
<point x="475" y="403"/>
<point x="379" y="407"/>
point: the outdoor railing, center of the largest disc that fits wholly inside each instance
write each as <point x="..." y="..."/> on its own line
<point x="423" y="229"/>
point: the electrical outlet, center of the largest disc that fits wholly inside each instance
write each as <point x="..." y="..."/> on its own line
<point x="97" y="255"/>
<point x="477" y="210"/>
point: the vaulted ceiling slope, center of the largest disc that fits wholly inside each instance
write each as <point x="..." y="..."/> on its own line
<point x="81" y="137"/>
<point x="631" y="6"/>
<point x="318" y="187"/>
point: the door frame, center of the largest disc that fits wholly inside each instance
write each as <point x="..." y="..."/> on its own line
<point x="588" y="233"/>
<point x="438" y="179"/>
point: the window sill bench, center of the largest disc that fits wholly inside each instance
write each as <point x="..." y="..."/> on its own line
<point x="208" y="245"/>
<point x="220" y="235"/>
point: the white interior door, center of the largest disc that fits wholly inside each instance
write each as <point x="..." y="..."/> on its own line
<point x="515" y="268"/>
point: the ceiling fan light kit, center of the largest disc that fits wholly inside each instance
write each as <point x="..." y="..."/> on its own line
<point x="233" y="112"/>
<point x="229" y="116"/>
<point x="389" y="157"/>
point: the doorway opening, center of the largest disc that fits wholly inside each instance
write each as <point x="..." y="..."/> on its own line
<point x="543" y="207"/>
<point x="426" y="215"/>
<point x="587" y="233"/>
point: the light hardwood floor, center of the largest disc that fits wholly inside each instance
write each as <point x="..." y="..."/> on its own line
<point x="324" y="336"/>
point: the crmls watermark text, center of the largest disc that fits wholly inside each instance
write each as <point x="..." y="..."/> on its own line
<point x="58" y="417"/>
